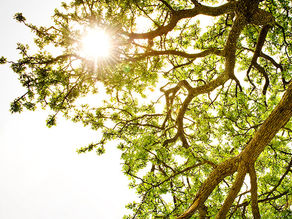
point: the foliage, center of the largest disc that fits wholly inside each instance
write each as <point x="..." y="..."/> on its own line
<point x="184" y="101"/>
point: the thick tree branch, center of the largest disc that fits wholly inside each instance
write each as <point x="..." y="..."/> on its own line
<point x="254" y="192"/>
<point x="242" y="170"/>
<point x="223" y="170"/>
<point x="178" y="99"/>
<point x="230" y="47"/>
<point x="182" y="14"/>
<point x="262" y="17"/>
<point x="259" y="46"/>
<point x="229" y="52"/>
<point x="275" y="121"/>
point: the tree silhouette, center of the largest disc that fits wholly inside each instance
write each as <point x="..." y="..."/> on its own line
<point x="201" y="111"/>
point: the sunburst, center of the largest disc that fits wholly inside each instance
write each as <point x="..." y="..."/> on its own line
<point x="96" y="44"/>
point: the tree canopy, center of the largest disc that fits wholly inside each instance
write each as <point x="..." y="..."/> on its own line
<point x="200" y="109"/>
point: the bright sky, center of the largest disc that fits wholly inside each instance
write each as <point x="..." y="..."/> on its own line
<point x="41" y="175"/>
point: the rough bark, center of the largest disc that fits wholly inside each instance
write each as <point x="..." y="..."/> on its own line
<point x="275" y="121"/>
<point x="254" y="190"/>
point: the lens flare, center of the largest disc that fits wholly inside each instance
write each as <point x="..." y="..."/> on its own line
<point x="96" y="44"/>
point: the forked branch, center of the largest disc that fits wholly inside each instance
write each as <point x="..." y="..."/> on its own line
<point x="262" y="137"/>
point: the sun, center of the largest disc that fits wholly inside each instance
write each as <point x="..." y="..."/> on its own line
<point x="95" y="44"/>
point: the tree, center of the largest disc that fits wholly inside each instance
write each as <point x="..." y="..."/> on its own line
<point x="201" y="114"/>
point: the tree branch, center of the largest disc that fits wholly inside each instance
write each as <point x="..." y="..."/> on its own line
<point x="178" y="53"/>
<point x="275" y="121"/>
<point x="283" y="176"/>
<point x="182" y="14"/>
<point x="264" y="73"/>
<point x="259" y="46"/>
<point x="254" y="190"/>
<point x="167" y="5"/>
<point x="242" y="170"/>
<point x="223" y="170"/>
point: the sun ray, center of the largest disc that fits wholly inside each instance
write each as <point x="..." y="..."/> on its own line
<point x="96" y="44"/>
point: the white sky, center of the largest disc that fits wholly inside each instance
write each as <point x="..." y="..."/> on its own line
<point x="41" y="175"/>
